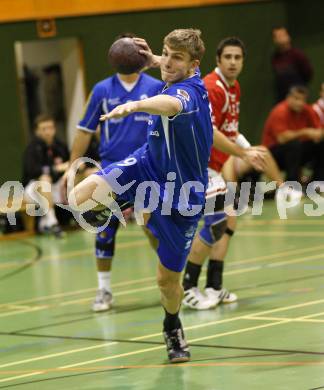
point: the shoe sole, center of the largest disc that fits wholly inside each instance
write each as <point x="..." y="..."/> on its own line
<point x="183" y="359"/>
<point x="99" y="309"/>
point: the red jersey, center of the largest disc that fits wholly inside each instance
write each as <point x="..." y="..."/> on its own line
<point x="282" y="118"/>
<point x="319" y="109"/>
<point x="225" y="106"/>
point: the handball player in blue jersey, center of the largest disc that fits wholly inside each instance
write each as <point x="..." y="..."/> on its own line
<point x="118" y="138"/>
<point x="180" y="136"/>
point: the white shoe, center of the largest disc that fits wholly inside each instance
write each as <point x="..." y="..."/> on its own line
<point x="194" y="299"/>
<point x="220" y="296"/>
<point x="103" y="300"/>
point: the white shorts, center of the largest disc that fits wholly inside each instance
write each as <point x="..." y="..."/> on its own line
<point x="216" y="184"/>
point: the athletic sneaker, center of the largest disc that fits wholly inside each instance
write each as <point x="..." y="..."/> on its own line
<point x="220" y="296"/>
<point x="103" y="300"/>
<point x="177" y="347"/>
<point x="194" y="299"/>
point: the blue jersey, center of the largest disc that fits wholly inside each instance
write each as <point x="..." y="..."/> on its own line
<point x="182" y="144"/>
<point x="118" y="137"/>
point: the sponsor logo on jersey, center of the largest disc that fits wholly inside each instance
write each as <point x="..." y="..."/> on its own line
<point x="142" y="118"/>
<point x="155" y="133"/>
<point x="114" y="101"/>
<point x="184" y="94"/>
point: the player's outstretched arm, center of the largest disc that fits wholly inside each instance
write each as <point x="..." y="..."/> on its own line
<point x="157" y="105"/>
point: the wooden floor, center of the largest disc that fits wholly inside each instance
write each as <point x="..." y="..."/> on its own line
<point x="273" y="338"/>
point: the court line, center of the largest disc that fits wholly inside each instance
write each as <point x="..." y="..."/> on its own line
<point x="182" y="365"/>
<point x="145" y="350"/>
<point x="279" y="233"/>
<point x="132" y="291"/>
<point x="258" y="258"/>
<point x="193" y="327"/>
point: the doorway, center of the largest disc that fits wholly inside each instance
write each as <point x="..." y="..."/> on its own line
<point x="51" y="80"/>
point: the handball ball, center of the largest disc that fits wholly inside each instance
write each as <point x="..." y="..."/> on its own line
<point x="124" y="56"/>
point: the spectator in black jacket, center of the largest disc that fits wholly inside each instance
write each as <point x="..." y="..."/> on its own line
<point x="45" y="159"/>
<point x="290" y="65"/>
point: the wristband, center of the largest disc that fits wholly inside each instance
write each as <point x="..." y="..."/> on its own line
<point x="242" y="141"/>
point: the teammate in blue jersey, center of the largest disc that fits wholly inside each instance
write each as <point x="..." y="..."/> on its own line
<point x="118" y="138"/>
<point x="177" y="151"/>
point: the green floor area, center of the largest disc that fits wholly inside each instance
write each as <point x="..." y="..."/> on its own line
<point x="272" y="338"/>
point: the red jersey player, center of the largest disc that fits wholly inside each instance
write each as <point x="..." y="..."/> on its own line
<point x="212" y="240"/>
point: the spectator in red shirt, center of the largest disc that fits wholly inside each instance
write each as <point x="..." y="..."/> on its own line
<point x="318" y="106"/>
<point x="293" y="135"/>
<point x="290" y="65"/>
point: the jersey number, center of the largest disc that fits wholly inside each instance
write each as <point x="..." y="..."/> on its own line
<point x="128" y="162"/>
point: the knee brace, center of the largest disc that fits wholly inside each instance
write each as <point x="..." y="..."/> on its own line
<point x="214" y="228"/>
<point x="105" y="240"/>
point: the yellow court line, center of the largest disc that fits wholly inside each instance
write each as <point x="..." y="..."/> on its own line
<point x="177" y="365"/>
<point x="281" y="222"/>
<point x="279" y="233"/>
<point x="67" y="255"/>
<point x="298" y="319"/>
<point x="131" y="291"/>
<point x="144" y="350"/>
<point x="151" y="278"/>
<point x="278" y="254"/>
<point x="188" y="328"/>
<point x="150" y="366"/>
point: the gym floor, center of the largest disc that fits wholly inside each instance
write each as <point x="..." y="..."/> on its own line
<point x="272" y="338"/>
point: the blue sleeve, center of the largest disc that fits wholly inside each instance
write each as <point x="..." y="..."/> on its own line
<point x="184" y="94"/>
<point x="92" y="111"/>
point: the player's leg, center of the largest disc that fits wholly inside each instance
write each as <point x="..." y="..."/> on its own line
<point x="212" y="231"/>
<point x="214" y="284"/>
<point x="172" y="235"/>
<point x="171" y="291"/>
<point x="105" y="248"/>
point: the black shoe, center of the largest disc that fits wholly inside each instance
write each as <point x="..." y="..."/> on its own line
<point x="57" y="231"/>
<point x="177" y="347"/>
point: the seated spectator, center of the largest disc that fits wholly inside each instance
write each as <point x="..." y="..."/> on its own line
<point x="293" y="135"/>
<point x="318" y="106"/>
<point x="290" y="65"/>
<point x="45" y="159"/>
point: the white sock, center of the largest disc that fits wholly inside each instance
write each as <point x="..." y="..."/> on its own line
<point x="48" y="220"/>
<point x="104" y="280"/>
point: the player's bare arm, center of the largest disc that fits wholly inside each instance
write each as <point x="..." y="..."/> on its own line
<point x="254" y="155"/>
<point x="158" y="105"/>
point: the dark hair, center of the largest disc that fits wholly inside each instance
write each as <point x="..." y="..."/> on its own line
<point x="125" y="35"/>
<point x="42" y="118"/>
<point x="279" y="27"/>
<point x="298" y="89"/>
<point x="230" y="41"/>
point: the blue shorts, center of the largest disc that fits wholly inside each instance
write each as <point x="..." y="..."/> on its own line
<point x="174" y="232"/>
<point x="211" y="222"/>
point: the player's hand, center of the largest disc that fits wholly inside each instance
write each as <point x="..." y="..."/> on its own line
<point x="153" y="61"/>
<point x="121" y="111"/>
<point x="316" y="135"/>
<point x="255" y="156"/>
